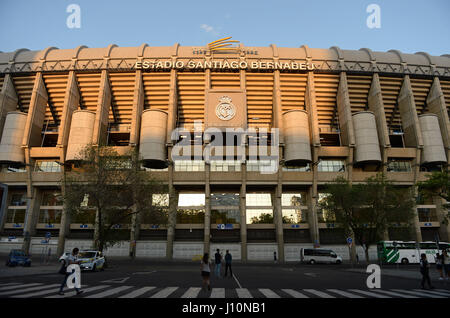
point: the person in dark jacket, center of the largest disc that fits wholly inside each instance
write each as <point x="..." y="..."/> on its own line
<point x="425" y="271"/>
<point x="218" y="262"/>
<point x="228" y="259"/>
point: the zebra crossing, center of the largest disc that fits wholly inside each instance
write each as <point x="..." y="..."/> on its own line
<point x="41" y="290"/>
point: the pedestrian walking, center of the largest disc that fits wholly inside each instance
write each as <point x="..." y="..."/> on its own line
<point x="71" y="259"/>
<point x="228" y="259"/>
<point x="206" y="271"/>
<point x="425" y="271"/>
<point x="438" y="260"/>
<point x="218" y="262"/>
<point x="446" y="263"/>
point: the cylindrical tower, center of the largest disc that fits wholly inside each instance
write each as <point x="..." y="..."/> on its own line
<point x="11" y="143"/>
<point x="297" y="150"/>
<point x="366" y="137"/>
<point x="153" y="138"/>
<point x="433" y="146"/>
<point x="81" y="131"/>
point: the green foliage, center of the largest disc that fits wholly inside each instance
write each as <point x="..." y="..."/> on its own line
<point x="267" y="218"/>
<point x="113" y="187"/>
<point x="367" y="209"/>
<point x="437" y="184"/>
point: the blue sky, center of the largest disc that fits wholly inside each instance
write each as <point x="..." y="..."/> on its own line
<point x="407" y="25"/>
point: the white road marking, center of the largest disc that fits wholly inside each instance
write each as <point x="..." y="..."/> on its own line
<point x="235" y="278"/>
<point x="343" y="293"/>
<point x="191" y="292"/>
<point x="447" y="294"/>
<point x="268" y="293"/>
<point x="318" y="293"/>
<point x="311" y="274"/>
<point x="40" y="293"/>
<point x="416" y="293"/>
<point x="73" y="293"/>
<point x="367" y="293"/>
<point x="110" y="292"/>
<point x="19" y="286"/>
<point x="9" y="284"/>
<point x="29" y="289"/>
<point x="165" y="292"/>
<point x="117" y="280"/>
<point x="138" y="292"/>
<point x="394" y="294"/>
<point x="294" y="293"/>
<point x="243" y="293"/>
<point x="217" y="293"/>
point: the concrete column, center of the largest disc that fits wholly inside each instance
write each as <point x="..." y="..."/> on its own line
<point x="71" y="103"/>
<point x="408" y="113"/>
<point x="4" y="199"/>
<point x="134" y="233"/>
<point x="412" y="137"/>
<point x="312" y="214"/>
<point x="242" y="207"/>
<point x="416" y="165"/>
<point x="138" y="107"/>
<point x="64" y="231"/>
<point x="278" y="220"/>
<point x="8" y="100"/>
<point x="376" y="105"/>
<point x="349" y="166"/>
<point x="172" y="111"/>
<point x="36" y="113"/>
<point x="311" y="108"/>
<point x="172" y="217"/>
<point x="345" y="112"/>
<point x="436" y="105"/>
<point x="64" y="228"/>
<point x="102" y="113"/>
<point x="277" y="111"/>
<point x="31" y="217"/>
<point x="207" y="225"/>
<point x="33" y="206"/>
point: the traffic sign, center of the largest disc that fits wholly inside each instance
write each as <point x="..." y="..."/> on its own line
<point x="349" y="240"/>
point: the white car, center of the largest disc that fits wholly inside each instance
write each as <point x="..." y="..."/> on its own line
<point x="91" y="260"/>
<point x="64" y="256"/>
<point x="319" y="255"/>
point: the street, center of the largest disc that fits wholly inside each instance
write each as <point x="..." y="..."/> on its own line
<point x="144" y="278"/>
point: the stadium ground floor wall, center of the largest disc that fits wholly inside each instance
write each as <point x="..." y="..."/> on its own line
<point x="181" y="250"/>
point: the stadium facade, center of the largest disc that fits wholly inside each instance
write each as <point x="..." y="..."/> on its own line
<point x="336" y="113"/>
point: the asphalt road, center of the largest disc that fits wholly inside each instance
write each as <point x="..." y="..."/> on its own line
<point x="256" y="278"/>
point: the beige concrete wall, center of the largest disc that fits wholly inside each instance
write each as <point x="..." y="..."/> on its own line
<point x="8" y="100"/>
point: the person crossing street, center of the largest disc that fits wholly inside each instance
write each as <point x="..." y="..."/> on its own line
<point x="228" y="259"/>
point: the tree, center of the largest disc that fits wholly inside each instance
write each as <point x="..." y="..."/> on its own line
<point x="115" y="188"/>
<point x="267" y="218"/>
<point x="368" y="209"/>
<point x="438" y="183"/>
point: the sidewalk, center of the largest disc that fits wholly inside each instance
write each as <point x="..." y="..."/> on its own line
<point x="401" y="272"/>
<point x="34" y="269"/>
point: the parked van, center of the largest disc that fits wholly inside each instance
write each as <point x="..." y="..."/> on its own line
<point x="319" y="255"/>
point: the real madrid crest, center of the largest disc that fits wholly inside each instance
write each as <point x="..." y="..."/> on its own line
<point x="225" y="110"/>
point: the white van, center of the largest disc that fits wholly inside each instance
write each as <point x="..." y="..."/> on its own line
<point x="319" y="255"/>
